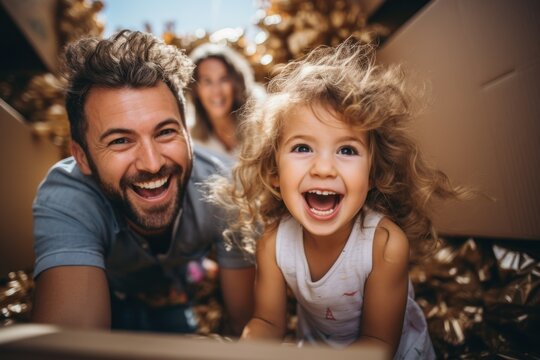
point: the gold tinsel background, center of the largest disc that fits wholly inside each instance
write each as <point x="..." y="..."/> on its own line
<point x="481" y="297"/>
<point x="288" y="28"/>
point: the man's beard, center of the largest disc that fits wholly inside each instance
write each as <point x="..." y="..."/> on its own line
<point x="160" y="217"/>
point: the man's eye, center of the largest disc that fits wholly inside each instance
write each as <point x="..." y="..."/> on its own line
<point x="166" y="132"/>
<point x="119" y="141"/>
<point x="301" y="148"/>
<point x="347" y="150"/>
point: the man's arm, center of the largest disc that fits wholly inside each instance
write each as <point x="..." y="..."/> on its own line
<point x="237" y="289"/>
<point x="74" y="296"/>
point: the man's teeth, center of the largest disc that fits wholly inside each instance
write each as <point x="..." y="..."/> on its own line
<point x="151" y="184"/>
<point x="322" y="192"/>
<point x="322" y="212"/>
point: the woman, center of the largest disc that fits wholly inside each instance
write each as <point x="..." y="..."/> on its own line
<point x="223" y="82"/>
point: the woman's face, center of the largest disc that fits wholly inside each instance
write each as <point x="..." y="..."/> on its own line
<point x="215" y="88"/>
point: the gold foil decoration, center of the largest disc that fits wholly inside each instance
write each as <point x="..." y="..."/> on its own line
<point x="39" y="97"/>
<point x="481" y="299"/>
<point x="79" y="18"/>
<point x="15" y="298"/>
<point x="290" y="28"/>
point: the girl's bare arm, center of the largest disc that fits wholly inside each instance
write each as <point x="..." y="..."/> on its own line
<point x="269" y="317"/>
<point x="385" y="293"/>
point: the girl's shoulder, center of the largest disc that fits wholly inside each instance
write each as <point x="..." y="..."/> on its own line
<point x="390" y="244"/>
<point x="267" y="241"/>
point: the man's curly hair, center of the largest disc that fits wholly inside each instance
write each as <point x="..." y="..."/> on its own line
<point x="129" y="59"/>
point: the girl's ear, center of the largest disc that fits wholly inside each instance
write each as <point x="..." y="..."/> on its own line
<point x="80" y="155"/>
<point x="274" y="181"/>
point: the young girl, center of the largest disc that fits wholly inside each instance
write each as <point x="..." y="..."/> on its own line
<point x="329" y="170"/>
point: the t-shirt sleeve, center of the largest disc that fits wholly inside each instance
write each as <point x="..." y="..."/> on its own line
<point x="69" y="224"/>
<point x="213" y="218"/>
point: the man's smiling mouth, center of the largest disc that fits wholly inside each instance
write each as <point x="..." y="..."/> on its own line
<point x="151" y="189"/>
<point x="322" y="202"/>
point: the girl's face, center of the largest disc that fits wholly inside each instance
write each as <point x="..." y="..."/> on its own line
<point x="323" y="171"/>
<point x="215" y="88"/>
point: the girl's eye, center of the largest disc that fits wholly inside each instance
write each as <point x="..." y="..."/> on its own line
<point x="347" y="150"/>
<point x="301" y="148"/>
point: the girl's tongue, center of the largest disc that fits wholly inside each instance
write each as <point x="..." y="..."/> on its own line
<point x="322" y="202"/>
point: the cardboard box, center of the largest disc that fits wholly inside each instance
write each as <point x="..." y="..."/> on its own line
<point x="482" y="126"/>
<point x="43" y="342"/>
<point x="24" y="161"/>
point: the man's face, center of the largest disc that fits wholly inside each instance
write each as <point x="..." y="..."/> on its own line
<point x="139" y="152"/>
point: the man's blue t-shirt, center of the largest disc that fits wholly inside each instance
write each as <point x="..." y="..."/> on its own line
<point x="75" y="224"/>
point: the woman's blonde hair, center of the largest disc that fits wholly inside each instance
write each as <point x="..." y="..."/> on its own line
<point x="367" y="97"/>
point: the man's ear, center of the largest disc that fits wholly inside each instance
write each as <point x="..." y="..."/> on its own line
<point x="80" y="156"/>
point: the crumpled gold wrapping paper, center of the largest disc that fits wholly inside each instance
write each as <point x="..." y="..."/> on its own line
<point x="481" y="298"/>
<point x="39" y="97"/>
<point x="287" y="29"/>
<point x="15" y="297"/>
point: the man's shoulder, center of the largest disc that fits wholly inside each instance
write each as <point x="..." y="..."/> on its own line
<point x="207" y="162"/>
<point x="65" y="182"/>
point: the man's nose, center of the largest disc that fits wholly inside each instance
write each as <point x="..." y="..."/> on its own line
<point x="149" y="157"/>
<point x="324" y="165"/>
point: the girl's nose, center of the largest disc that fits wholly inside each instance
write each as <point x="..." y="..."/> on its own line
<point x="324" y="166"/>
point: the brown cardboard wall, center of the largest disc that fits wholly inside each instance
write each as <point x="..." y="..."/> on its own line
<point x="24" y="161"/>
<point x="482" y="126"/>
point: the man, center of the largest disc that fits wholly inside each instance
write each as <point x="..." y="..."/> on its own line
<point x="117" y="224"/>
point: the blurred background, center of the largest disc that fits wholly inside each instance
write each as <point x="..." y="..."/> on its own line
<point x="480" y="60"/>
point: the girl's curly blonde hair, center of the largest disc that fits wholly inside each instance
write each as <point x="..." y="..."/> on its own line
<point x="368" y="97"/>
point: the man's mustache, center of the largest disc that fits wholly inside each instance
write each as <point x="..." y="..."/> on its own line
<point x="144" y="176"/>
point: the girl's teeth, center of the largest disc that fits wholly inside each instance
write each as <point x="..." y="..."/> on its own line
<point x="322" y="212"/>
<point x="320" y="192"/>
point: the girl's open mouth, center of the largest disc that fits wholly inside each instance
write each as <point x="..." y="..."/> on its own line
<point x="322" y="202"/>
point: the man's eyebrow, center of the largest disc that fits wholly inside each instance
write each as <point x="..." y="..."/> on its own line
<point x="115" y="131"/>
<point x="170" y="121"/>
<point x="123" y="131"/>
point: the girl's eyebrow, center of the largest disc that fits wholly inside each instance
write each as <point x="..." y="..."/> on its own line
<point x="353" y="138"/>
<point x="298" y="137"/>
<point x="311" y="137"/>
